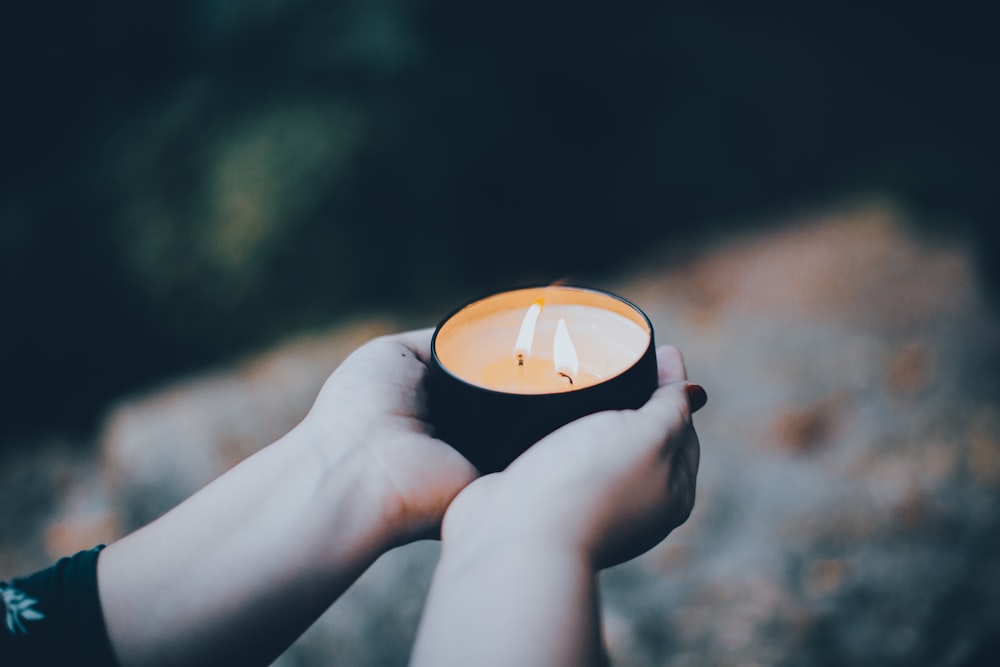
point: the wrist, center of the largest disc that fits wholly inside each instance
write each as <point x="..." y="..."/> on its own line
<point x="489" y="589"/>
<point x="489" y="553"/>
<point x="486" y="519"/>
<point x="352" y="494"/>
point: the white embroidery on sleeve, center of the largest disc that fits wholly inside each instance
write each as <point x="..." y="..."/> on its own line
<point x="19" y="609"/>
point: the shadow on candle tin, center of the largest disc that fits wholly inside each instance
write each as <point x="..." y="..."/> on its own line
<point x="491" y="419"/>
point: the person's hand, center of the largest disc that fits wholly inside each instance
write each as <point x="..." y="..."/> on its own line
<point x="608" y="486"/>
<point x="270" y="544"/>
<point x="374" y="403"/>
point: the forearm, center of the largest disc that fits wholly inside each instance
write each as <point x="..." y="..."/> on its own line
<point x="235" y="573"/>
<point x="513" y="604"/>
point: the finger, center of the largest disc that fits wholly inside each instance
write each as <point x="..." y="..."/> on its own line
<point x="669" y="405"/>
<point x="670" y="364"/>
<point x="417" y="341"/>
<point x="694" y="455"/>
<point x="684" y="477"/>
<point x="697" y="397"/>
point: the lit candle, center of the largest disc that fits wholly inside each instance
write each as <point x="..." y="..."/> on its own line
<point x="526" y="335"/>
<point x="564" y="358"/>
<point x="510" y="368"/>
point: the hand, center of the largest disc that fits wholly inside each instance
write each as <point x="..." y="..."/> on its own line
<point x="608" y="486"/>
<point x="269" y="545"/>
<point x="374" y="402"/>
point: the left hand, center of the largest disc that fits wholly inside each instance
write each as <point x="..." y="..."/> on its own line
<point x="608" y="486"/>
<point x="374" y="403"/>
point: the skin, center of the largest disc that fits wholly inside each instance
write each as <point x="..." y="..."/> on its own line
<point x="234" y="574"/>
<point x="238" y="571"/>
<point x="517" y="580"/>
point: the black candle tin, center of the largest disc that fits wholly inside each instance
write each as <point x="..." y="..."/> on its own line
<point x="492" y="428"/>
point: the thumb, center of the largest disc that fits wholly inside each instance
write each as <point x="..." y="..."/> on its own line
<point x="674" y="403"/>
<point x="669" y="405"/>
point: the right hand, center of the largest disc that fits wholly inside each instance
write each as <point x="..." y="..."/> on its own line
<point x="608" y="486"/>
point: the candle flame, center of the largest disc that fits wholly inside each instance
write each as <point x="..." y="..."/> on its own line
<point x="525" y="337"/>
<point x="564" y="353"/>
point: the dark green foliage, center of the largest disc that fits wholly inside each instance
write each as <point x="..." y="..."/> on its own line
<point x="188" y="180"/>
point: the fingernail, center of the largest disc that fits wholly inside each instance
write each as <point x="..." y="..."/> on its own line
<point x="697" y="398"/>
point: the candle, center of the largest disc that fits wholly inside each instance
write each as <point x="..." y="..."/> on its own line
<point x="511" y="367"/>
<point x="497" y="344"/>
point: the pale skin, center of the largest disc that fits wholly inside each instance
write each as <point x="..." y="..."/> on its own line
<point x="238" y="571"/>
<point x="517" y="580"/>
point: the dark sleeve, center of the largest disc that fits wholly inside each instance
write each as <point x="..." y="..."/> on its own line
<point x="54" y="617"/>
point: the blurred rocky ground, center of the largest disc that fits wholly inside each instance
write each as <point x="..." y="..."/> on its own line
<point x="847" y="508"/>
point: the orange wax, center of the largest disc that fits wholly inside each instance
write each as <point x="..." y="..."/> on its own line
<point x="536" y="376"/>
<point x="477" y="344"/>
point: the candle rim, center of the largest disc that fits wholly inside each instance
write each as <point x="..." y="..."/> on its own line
<point x="629" y="307"/>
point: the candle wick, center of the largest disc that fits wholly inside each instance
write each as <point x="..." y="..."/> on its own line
<point x="520" y="360"/>
<point x="567" y="377"/>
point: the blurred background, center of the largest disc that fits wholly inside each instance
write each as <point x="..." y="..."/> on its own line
<point x="190" y="185"/>
<point x="185" y="181"/>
